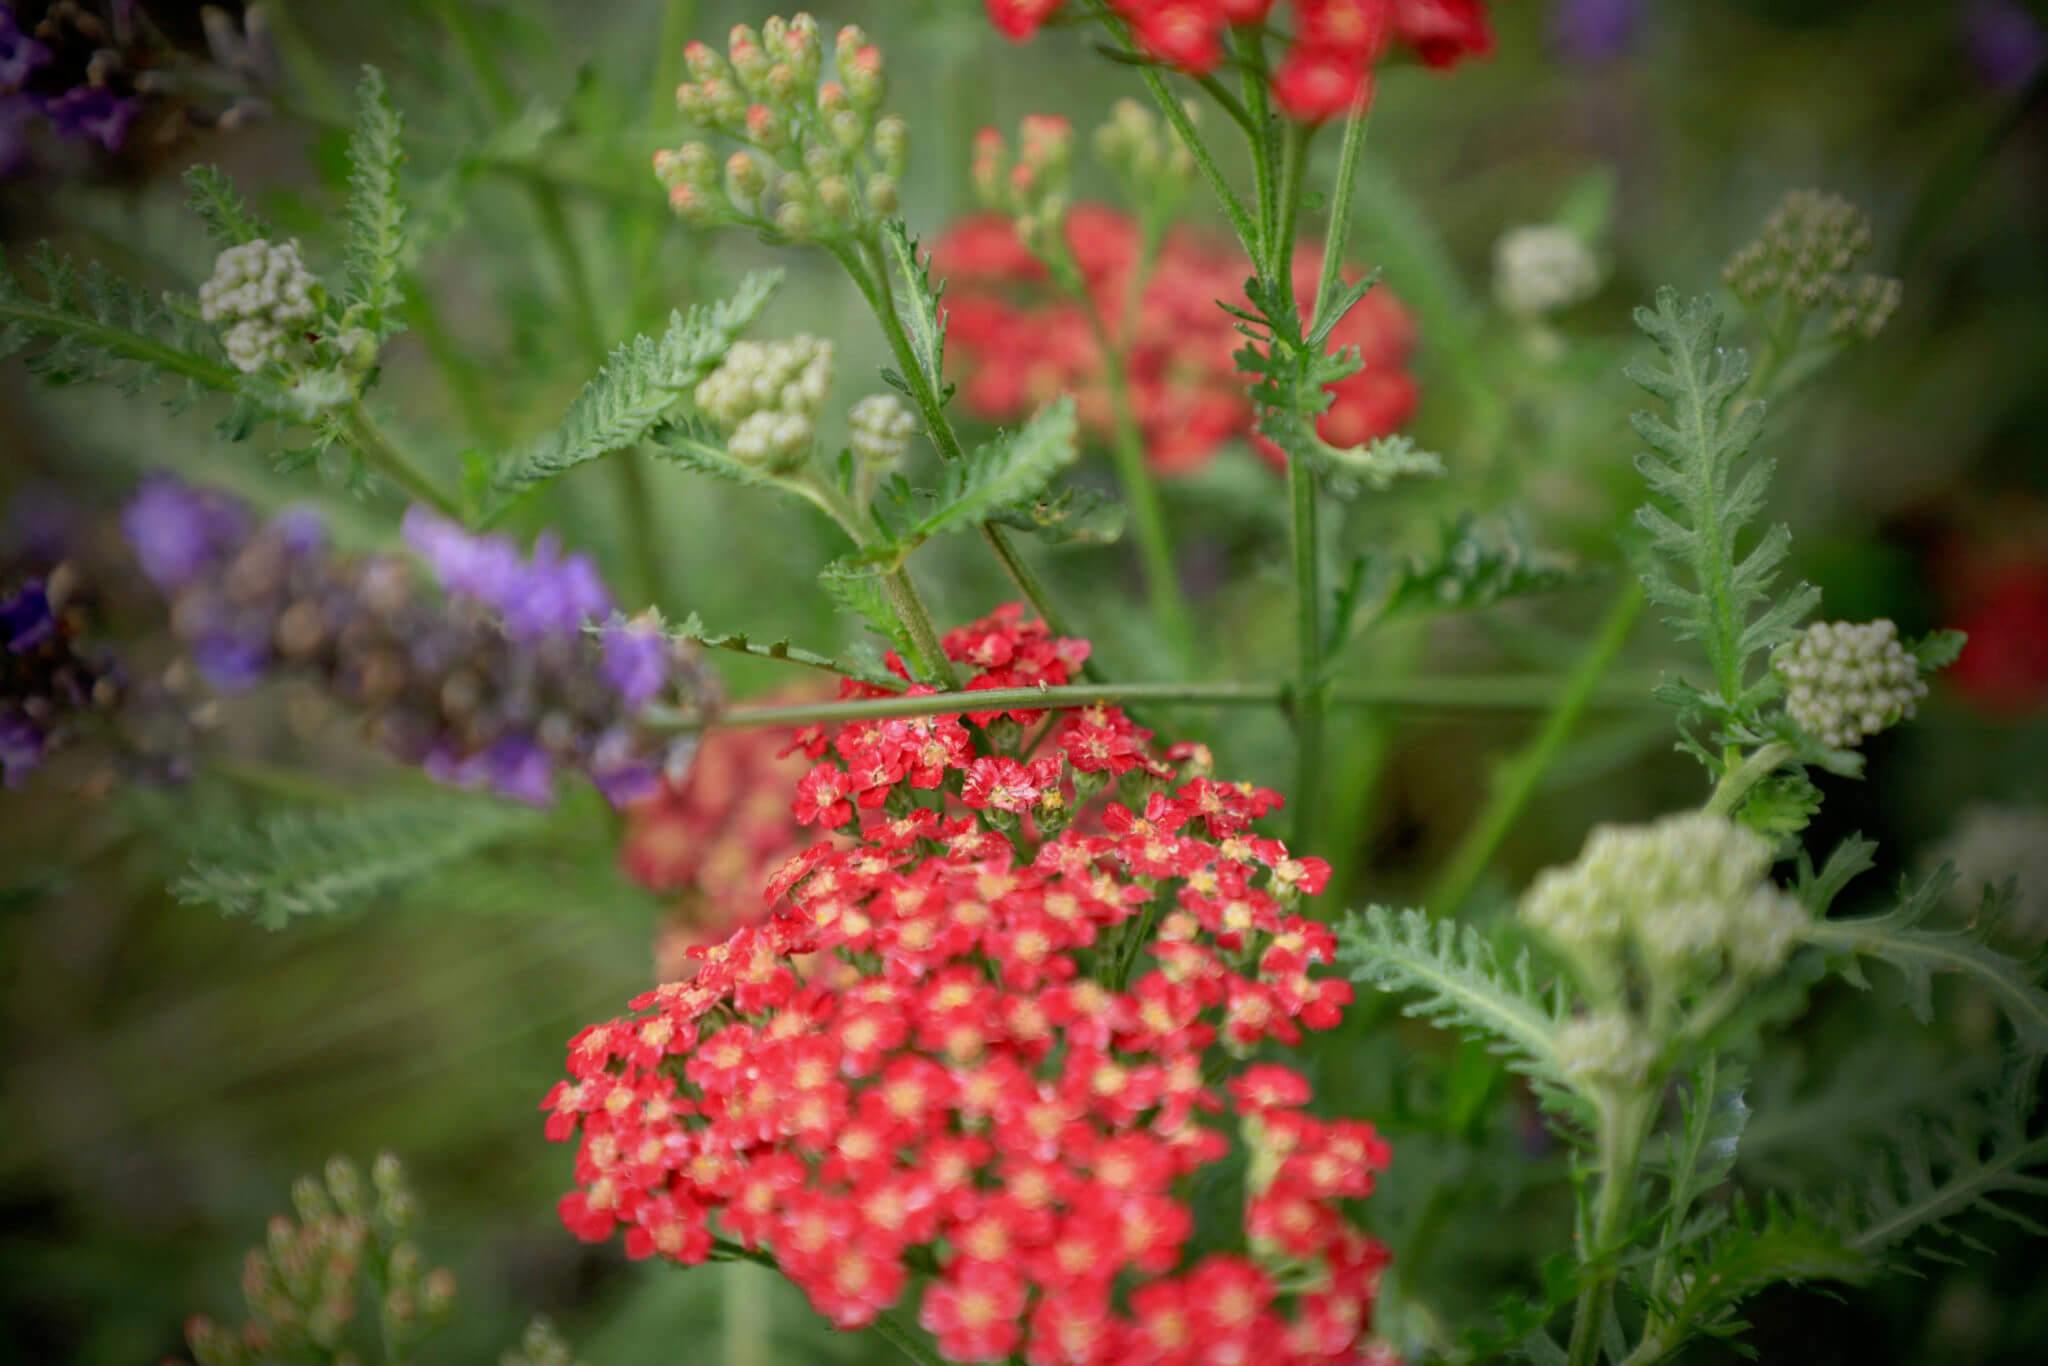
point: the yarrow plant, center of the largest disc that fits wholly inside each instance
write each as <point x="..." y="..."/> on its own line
<point x="986" y="1014"/>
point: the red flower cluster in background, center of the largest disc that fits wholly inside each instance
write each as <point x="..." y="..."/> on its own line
<point x="1018" y="342"/>
<point x="1327" y="66"/>
<point x="1997" y="594"/>
<point x="713" y="840"/>
<point x="981" y="1043"/>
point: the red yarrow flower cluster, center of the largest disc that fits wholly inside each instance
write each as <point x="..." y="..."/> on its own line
<point x="1016" y="341"/>
<point x="972" y="1056"/>
<point x="1328" y="64"/>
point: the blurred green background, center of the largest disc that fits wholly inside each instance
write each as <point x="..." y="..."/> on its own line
<point x="166" y="1073"/>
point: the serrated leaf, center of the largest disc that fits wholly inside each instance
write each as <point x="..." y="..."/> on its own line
<point x="228" y="218"/>
<point x="1479" y="564"/>
<point x="1073" y="516"/>
<point x="1014" y="468"/>
<point x="1898" y="939"/>
<point x="692" y="628"/>
<point x="375" y="240"/>
<point x="1458" y="982"/>
<point x="919" y="309"/>
<point x="319" y="861"/>
<point x="1751" y="1254"/>
<point x="637" y="387"/>
<point x="857" y="588"/>
<point x="1780" y="806"/>
<point x="1938" y="649"/>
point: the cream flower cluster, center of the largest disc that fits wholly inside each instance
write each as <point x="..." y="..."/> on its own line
<point x="1542" y="268"/>
<point x="880" y="428"/>
<point x="263" y="294"/>
<point x="1847" y="680"/>
<point x="767" y="394"/>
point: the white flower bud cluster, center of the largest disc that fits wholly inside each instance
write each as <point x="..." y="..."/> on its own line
<point x="768" y="395"/>
<point x="879" y="429"/>
<point x="1690" y="893"/>
<point x="1542" y="269"/>
<point x="1991" y="845"/>
<point x="1846" y="680"/>
<point x="1605" y="1048"/>
<point x="263" y="293"/>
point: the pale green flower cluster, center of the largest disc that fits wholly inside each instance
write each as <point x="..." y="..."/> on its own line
<point x="264" y="296"/>
<point x="1848" y="680"/>
<point x="767" y="394"/>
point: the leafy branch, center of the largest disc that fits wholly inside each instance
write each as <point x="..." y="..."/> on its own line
<point x="376" y="213"/>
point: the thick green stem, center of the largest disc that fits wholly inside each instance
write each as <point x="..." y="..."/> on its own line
<point x="1736" y="783"/>
<point x="917" y="624"/>
<point x="1484" y="692"/>
<point x="379" y="454"/>
<point x="1310" y="688"/>
<point x="1516" y="782"/>
<point x="1623" y="1124"/>
<point x="1293" y="164"/>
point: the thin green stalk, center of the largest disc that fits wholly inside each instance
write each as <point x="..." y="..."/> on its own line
<point x="1482" y="692"/>
<point x="1293" y="165"/>
<point x="744" y="1315"/>
<point x="1141" y="492"/>
<point x="379" y="454"/>
<point x="1623" y="1126"/>
<point x="1310" y="695"/>
<point x="1516" y="781"/>
<point x="1337" y="234"/>
<point x="1736" y="783"/>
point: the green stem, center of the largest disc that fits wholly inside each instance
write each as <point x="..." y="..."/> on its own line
<point x="892" y="1325"/>
<point x="1293" y="163"/>
<point x="1516" y="782"/>
<point x="1623" y="1125"/>
<point x="1485" y="692"/>
<point x="380" y="455"/>
<point x="1338" y="232"/>
<point x="917" y="623"/>
<point x="1141" y="491"/>
<point x="744" y="1315"/>
<point x="1736" y="783"/>
<point x="1310" y="689"/>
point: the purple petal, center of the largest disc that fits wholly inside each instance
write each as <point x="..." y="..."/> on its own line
<point x="21" y="749"/>
<point x="178" y="531"/>
<point x="25" y="618"/>
<point x="522" y="771"/>
<point x="636" y="659"/>
<point x="231" y="662"/>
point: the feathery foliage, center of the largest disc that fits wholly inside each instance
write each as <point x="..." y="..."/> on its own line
<point x="1694" y="469"/>
<point x="1459" y="981"/>
<point x="1073" y="516"/>
<point x="1013" y="469"/>
<point x="95" y="326"/>
<point x="1479" y="564"/>
<point x="739" y="642"/>
<point x="1899" y="937"/>
<point x="213" y="198"/>
<point x="920" y="312"/>
<point x="322" y="860"/>
<point x="640" y="382"/>
<point x="376" y="212"/>
<point x="1752" y="1251"/>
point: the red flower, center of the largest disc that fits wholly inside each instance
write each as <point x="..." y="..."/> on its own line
<point x="1019" y="19"/>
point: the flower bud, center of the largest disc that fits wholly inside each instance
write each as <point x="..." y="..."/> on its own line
<point x="883" y="196"/>
<point x="880" y="428"/>
<point x="835" y="197"/>
<point x="1845" y="681"/>
<point x="795" y="219"/>
<point x="437" y="1294"/>
<point x="693" y="205"/>
<point x="749" y="61"/>
<point x="345" y="1185"/>
<point x="781" y="84"/>
<point x="849" y="131"/>
<point x="990" y="168"/>
<point x="745" y="177"/>
<point x="765" y="130"/>
<point x="1605" y="1049"/>
<point x="802" y="49"/>
<point x="892" y="144"/>
<point x="860" y="67"/>
<point x="704" y="63"/>
<point x="310" y="1201"/>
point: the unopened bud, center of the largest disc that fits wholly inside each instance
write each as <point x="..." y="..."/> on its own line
<point x="745" y="176"/>
<point x="849" y="130"/>
<point x="880" y="428"/>
<point x="765" y="130"/>
<point x="693" y="205"/>
<point x="883" y="196"/>
<point x="990" y="167"/>
<point x="802" y="49"/>
<point x="437" y="1293"/>
<point x="795" y="219"/>
<point x="835" y="197"/>
<point x="704" y="62"/>
<point x="860" y="67"/>
<point x="749" y="61"/>
<point x="892" y="144"/>
<point x="310" y="1201"/>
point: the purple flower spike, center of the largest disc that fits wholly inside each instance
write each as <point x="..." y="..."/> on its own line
<point x="25" y="618"/>
<point x="231" y="662"/>
<point x="91" y="112"/>
<point x="1594" y="31"/>
<point x="521" y="771"/>
<point x="302" y="530"/>
<point x="557" y="594"/>
<point x="20" y="54"/>
<point x="178" y="532"/>
<point x="636" y="658"/>
<point x="2005" y="43"/>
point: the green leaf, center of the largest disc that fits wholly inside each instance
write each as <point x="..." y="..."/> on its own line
<point x="376" y="212"/>
<point x="1012" y="469"/>
<point x="637" y="387"/>
<point x="857" y="587"/>
<point x="692" y="628"/>
<point x="228" y="218"/>
<point x="1898" y="938"/>
<point x="1702" y="500"/>
<point x="321" y="860"/>
<point x="1752" y="1253"/>
<point x="919" y="308"/>
<point x="1781" y="806"/>
<point x="1938" y="649"/>
<point x="1480" y="563"/>
<point x="1458" y="982"/>
<point x="1073" y="516"/>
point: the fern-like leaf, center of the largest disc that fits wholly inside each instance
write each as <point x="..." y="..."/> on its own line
<point x="1073" y="516"/>
<point x="1702" y="501"/>
<point x="95" y="327"/>
<point x="640" y="382"/>
<point x="318" y="861"/>
<point x="1458" y="982"/>
<point x="1010" y="470"/>
<point x="738" y="642"/>
<point x="211" y="196"/>
<point x="922" y="318"/>
<point x="1899" y="938"/>
<point x="1751" y="1252"/>
<point x="857" y="587"/>
<point x="376" y="212"/>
